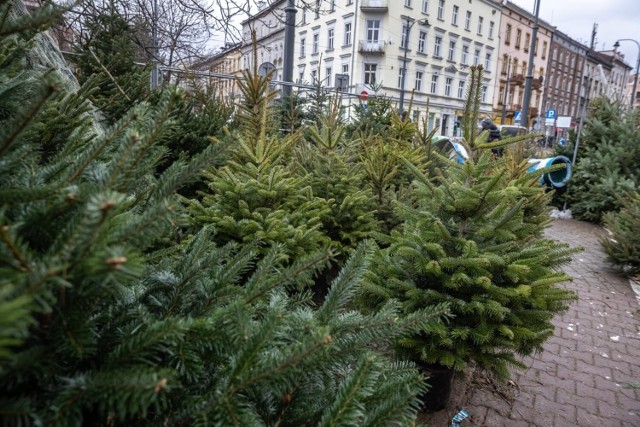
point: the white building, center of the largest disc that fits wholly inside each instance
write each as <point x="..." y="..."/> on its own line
<point x="360" y="46"/>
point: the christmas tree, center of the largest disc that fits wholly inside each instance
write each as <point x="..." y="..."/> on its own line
<point x="110" y="317"/>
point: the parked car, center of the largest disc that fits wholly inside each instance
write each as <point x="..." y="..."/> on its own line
<point x="508" y="131"/>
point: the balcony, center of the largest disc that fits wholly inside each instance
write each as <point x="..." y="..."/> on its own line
<point x="536" y="83"/>
<point x="514" y="107"/>
<point x="376" y="47"/>
<point x="517" y="79"/>
<point x="379" y="6"/>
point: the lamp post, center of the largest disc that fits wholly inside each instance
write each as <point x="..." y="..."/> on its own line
<point x="635" y="79"/>
<point x="408" y="26"/>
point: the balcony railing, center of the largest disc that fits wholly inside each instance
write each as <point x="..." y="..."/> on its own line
<point x="517" y="79"/>
<point x="374" y="6"/>
<point x="366" y="46"/>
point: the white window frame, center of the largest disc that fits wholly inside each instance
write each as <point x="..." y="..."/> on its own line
<point x="447" y="86"/>
<point x="437" y="45"/>
<point x="487" y="61"/>
<point x="441" y="10"/>
<point x="425" y="6"/>
<point x="422" y="42"/>
<point x="461" y="85"/>
<point x="348" y="33"/>
<point x="315" y="43"/>
<point x="331" y="37"/>
<point x="370" y="69"/>
<point x="303" y="43"/>
<point x="464" y="59"/>
<point x="434" y="84"/>
<point x="454" y="15"/>
<point x="480" y="23"/>
<point x="418" y="83"/>
<point x="467" y="20"/>
<point x="452" y="50"/>
<point x="373" y="31"/>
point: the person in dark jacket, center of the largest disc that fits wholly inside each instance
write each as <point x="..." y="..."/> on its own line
<point x="494" y="134"/>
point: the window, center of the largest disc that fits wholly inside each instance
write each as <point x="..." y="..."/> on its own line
<point x="303" y="42"/>
<point x="461" y="89"/>
<point x="491" y="28"/>
<point x="330" y="37"/>
<point x="316" y="44"/>
<point x="314" y="76"/>
<point x="544" y="50"/>
<point x="441" y="9"/>
<point x="347" y="34"/>
<point x="318" y="8"/>
<point x="422" y="41"/>
<point x="487" y="61"/>
<point x="416" y="116"/>
<point x="467" y="21"/>
<point x="407" y="3"/>
<point x="447" y="86"/>
<point x="514" y="66"/>
<point x="505" y="64"/>
<point x="401" y="73"/>
<point x="524" y="68"/>
<point x="507" y="35"/>
<point x="454" y="15"/>
<point x="373" y="30"/>
<point x="329" y="73"/>
<point x="527" y="42"/>
<point x="332" y="7"/>
<point x="434" y="84"/>
<point x="452" y="50"/>
<point x="418" y="86"/>
<point x="480" y="22"/>
<point x="465" y="55"/>
<point x="436" y="47"/>
<point x="304" y="15"/>
<point x="345" y="68"/>
<point x="501" y="95"/>
<point x="425" y="6"/>
<point x="518" y="37"/>
<point x="370" y="73"/>
<point x="483" y="96"/>
<point x="476" y="56"/>
<point x="403" y="38"/>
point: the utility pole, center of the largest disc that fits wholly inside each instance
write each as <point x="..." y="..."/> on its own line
<point x="506" y="92"/>
<point x="154" y="49"/>
<point x="408" y="26"/>
<point x="289" y="42"/>
<point x="529" y="78"/>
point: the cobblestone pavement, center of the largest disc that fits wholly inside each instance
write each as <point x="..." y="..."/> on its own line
<point x="581" y="378"/>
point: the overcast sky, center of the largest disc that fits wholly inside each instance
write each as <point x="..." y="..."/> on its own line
<point x="616" y="19"/>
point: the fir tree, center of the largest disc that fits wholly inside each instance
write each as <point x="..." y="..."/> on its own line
<point x="607" y="162"/>
<point x="466" y="241"/>
<point x="622" y="244"/>
<point x="105" y="322"/>
<point x="256" y="196"/>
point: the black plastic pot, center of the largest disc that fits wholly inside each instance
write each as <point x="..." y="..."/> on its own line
<point x="440" y="380"/>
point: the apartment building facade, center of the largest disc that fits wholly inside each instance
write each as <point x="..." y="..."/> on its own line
<point x="516" y="32"/>
<point x="384" y="47"/>
<point x="563" y="83"/>
<point x="223" y="67"/>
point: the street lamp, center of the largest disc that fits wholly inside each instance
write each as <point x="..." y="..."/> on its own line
<point x="635" y="79"/>
<point x="408" y="26"/>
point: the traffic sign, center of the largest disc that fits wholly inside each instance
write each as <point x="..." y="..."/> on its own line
<point x="518" y="117"/>
<point x="364" y="95"/>
<point x="551" y="114"/>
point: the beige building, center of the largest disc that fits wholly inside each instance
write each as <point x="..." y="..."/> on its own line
<point x="223" y="69"/>
<point x="516" y="32"/>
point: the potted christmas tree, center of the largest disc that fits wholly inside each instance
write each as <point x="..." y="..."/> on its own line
<point x="470" y="242"/>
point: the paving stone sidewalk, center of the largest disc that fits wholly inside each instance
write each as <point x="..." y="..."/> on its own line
<point x="582" y="377"/>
